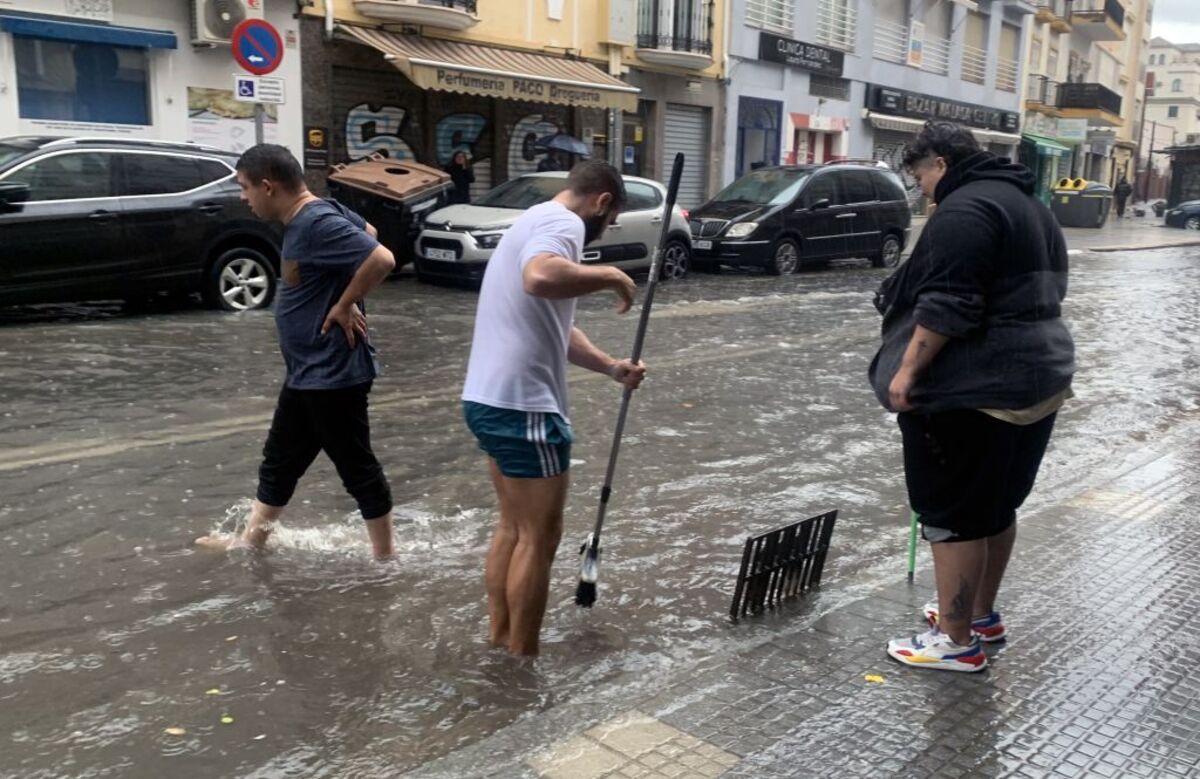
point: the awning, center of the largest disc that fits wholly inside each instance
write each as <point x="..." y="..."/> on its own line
<point x="1046" y="146"/>
<point x="84" y="32"/>
<point x="905" y="125"/>
<point x="899" y="124"/>
<point x="453" y="66"/>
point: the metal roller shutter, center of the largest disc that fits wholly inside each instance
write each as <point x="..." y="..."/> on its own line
<point x="888" y="146"/>
<point x="686" y="131"/>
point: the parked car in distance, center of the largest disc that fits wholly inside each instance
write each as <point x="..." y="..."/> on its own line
<point x="457" y="241"/>
<point x="780" y="218"/>
<point x="104" y="219"/>
<point x="1185" y="215"/>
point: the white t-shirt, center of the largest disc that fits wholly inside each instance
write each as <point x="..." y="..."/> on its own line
<point x="519" y="352"/>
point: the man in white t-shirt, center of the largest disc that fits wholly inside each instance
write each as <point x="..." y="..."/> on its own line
<point x="515" y="397"/>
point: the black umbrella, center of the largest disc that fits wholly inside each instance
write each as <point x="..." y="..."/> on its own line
<point x="564" y="142"/>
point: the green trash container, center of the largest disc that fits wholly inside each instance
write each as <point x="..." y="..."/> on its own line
<point x="1079" y="203"/>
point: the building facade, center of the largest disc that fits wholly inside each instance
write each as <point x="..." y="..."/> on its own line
<point x="1175" y="103"/>
<point x="818" y="80"/>
<point x="634" y="81"/>
<point x="139" y="69"/>
<point x="1086" y="89"/>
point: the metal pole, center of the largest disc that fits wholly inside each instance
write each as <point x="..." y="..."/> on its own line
<point x="1141" y="139"/>
<point x="259" y="112"/>
<point x="1150" y="160"/>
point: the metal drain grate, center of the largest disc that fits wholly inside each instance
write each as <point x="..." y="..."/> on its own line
<point x="781" y="564"/>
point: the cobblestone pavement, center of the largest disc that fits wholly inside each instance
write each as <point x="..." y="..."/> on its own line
<point x="1096" y="680"/>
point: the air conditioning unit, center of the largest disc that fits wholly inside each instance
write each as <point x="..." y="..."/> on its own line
<point x="213" y="20"/>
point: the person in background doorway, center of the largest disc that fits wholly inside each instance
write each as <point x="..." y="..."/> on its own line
<point x="462" y="176"/>
<point x="1121" y="193"/>
<point x="550" y="162"/>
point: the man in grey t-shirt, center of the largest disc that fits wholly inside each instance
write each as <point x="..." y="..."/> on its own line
<point x="331" y="260"/>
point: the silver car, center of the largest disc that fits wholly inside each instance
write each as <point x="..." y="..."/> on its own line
<point x="457" y="241"/>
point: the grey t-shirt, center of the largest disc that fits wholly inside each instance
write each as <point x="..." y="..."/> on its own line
<point x="322" y="248"/>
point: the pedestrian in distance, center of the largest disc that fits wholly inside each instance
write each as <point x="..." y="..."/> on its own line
<point x="461" y="177"/>
<point x="331" y="260"/>
<point x="515" y="394"/>
<point x="976" y="360"/>
<point x="550" y="162"/>
<point x="1121" y="194"/>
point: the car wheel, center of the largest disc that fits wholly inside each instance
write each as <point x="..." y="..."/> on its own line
<point x="1192" y="223"/>
<point x="241" y="280"/>
<point x="785" y="258"/>
<point x="889" y="254"/>
<point x="675" y="261"/>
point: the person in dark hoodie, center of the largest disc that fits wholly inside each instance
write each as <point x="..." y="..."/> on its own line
<point x="461" y="177"/>
<point x="976" y="360"/>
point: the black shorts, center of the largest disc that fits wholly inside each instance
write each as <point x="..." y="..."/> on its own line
<point x="968" y="472"/>
<point x="307" y="422"/>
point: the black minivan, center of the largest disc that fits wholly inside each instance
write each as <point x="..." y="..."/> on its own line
<point x="782" y="217"/>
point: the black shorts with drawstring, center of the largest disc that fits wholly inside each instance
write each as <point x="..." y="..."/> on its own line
<point x="968" y="473"/>
<point x="308" y="422"/>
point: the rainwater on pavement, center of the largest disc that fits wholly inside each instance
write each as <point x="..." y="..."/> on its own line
<point x="123" y="436"/>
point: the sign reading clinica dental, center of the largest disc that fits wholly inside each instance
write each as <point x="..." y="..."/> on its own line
<point x="898" y="102"/>
<point x="785" y="51"/>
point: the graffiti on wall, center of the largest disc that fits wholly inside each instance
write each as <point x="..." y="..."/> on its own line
<point x="522" y="156"/>
<point x="374" y="128"/>
<point x="370" y="129"/>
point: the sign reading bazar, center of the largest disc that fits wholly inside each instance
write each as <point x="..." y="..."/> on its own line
<point x="898" y="102"/>
<point x="785" y="51"/>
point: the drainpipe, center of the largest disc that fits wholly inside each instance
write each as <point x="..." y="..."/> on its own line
<point x="328" y="20"/>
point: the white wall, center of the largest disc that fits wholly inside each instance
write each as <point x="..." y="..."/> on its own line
<point x="172" y="71"/>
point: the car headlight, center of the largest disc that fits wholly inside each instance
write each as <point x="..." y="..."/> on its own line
<point x="487" y="240"/>
<point x="741" y="229"/>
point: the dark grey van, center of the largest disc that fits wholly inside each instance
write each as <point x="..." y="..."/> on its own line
<point x="783" y="217"/>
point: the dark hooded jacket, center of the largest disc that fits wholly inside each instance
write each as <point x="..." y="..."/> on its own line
<point x="990" y="272"/>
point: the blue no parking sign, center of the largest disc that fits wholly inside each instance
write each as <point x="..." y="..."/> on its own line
<point x="257" y="46"/>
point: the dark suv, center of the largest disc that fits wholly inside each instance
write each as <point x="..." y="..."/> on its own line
<point x="102" y="219"/>
<point x="780" y="218"/>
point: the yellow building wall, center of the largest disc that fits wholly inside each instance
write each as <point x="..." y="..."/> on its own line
<point x="524" y="24"/>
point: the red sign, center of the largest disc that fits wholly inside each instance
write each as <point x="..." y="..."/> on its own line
<point x="257" y="46"/>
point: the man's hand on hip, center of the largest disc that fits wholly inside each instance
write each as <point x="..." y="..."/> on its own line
<point x="627" y="373"/>
<point x="350" y="318"/>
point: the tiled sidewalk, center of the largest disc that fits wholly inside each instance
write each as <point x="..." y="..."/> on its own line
<point x="1097" y="679"/>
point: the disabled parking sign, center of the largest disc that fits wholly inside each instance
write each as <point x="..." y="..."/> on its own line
<point x="257" y="46"/>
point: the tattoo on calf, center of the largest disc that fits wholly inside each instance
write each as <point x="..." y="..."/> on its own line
<point x="961" y="603"/>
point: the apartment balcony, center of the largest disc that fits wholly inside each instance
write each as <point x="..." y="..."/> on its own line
<point x="1042" y="95"/>
<point x="974" y="64"/>
<point x="1094" y="102"/>
<point x="443" y="14"/>
<point x="1098" y="20"/>
<point x="1056" y="13"/>
<point x="675" y="33"/>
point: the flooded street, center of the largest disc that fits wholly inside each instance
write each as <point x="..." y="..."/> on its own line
<point x="123" y="436"/>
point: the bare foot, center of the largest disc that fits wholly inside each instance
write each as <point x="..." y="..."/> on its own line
<point x="221" y="543"/>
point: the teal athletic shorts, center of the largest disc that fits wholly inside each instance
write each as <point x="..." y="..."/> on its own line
<point x="525" y="444"/>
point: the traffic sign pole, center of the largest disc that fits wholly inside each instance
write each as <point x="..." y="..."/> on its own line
<point x="258" y="48"/>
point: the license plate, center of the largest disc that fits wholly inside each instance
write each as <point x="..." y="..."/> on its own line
<point x="440" y="254"/>
<point x="703" y="244"/>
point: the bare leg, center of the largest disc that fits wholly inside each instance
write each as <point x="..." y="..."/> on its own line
<point x="537" y="512"/>
<point x="999" y="550"/>
<point x="257" y="531"/>
<point x="504" y="540"/>
<point x="379" y="530"/>
<point x="958" y="569"/>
